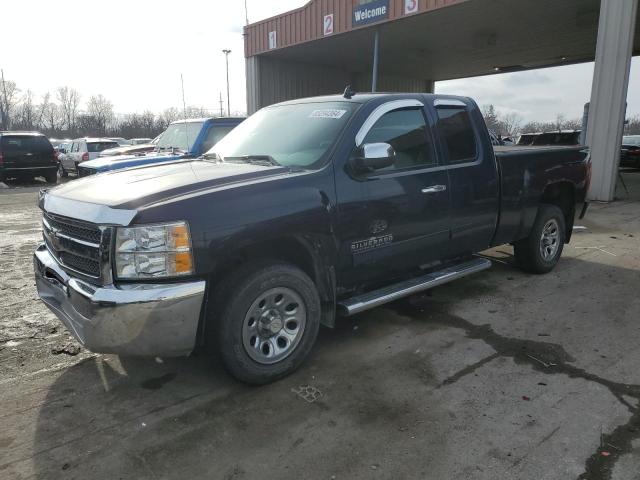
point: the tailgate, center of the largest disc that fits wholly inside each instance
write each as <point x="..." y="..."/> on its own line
<point x="24" y="151"/>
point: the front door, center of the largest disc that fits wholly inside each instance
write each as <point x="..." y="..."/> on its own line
<point x="394" y="219"/>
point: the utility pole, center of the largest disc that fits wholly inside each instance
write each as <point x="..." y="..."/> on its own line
<point x="226" y="56"/>
<point x="221" y="107"/>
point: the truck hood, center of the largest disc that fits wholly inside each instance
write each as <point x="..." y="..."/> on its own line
<point x="123" y="161"/>
<point x="139" y="187"/>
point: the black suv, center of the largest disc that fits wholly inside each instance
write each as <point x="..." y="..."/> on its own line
<point x="27" y="155"/>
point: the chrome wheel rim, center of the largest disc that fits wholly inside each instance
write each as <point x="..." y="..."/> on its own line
<point x="274" y="325"/>
<point x="550" y="240"/>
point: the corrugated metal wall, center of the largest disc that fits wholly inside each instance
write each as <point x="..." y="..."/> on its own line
<point x="305" y="24"/>
<point x="271" y="81"/>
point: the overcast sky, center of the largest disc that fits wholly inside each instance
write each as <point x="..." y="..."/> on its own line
<point x="133" y="53"/>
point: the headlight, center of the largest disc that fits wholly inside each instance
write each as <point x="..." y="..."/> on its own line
<point x="153" y="251"/>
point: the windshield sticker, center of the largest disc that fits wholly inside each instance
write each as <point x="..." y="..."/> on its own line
<point x="327" y="113"/>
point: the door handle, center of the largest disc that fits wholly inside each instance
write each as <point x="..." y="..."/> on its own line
<point x="434" y="189"/>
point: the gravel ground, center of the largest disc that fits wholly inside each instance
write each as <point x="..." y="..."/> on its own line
<point x="501" y="375"/>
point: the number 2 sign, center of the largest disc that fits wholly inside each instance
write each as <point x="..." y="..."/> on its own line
<point x="410" y="6"/>
<point x="328" y="24"/>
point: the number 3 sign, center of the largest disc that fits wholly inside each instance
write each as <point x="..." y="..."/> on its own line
<point x="328" y="24"/>
<point x="410" y="6"/>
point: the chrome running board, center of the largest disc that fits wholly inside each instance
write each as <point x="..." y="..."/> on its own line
<point x="375" y="298"/>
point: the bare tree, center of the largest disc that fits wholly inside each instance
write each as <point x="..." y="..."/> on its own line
<point x="490" y="117"/>
<point x="560" y="119"/>
<point x="510" y="124"/>
<point x="9" y="98"/>
<point x="167" y="116"/>
<point x="633" y="126"/>
<point x="101" y="110"/>
<point x="69" y="99"/>
<point x="26" y="113"/>
<point x="50" y="115"/>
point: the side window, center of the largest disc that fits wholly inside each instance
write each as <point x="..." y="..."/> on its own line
<point x="74" y="147"/>
<point x="406" y="131"/>
<point x="214" y="135"/>
<point x="455" y="127"/>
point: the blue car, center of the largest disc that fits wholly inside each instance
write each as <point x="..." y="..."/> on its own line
<point x="183" y="139"/>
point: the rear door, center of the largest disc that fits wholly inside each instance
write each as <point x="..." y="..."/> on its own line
<point x="27" y="151"/>
<point x="473" y="175"/>
<point x="394" y="219"/>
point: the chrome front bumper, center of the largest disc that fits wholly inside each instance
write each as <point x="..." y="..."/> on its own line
<point x="128" y="319"/>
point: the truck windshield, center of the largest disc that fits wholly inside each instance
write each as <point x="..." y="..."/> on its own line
<point x="295" y="135"/>
<point x="180" y="136"/>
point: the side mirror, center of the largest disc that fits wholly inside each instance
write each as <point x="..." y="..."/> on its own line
<point x="373" y="156"/>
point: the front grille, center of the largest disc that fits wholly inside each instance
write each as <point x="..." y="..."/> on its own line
<point x="81" y="264"/>
<point x="74" y="228"/>
<point x="75" y="244"/>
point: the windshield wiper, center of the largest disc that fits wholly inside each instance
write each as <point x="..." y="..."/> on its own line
<point x="258" y="159"/>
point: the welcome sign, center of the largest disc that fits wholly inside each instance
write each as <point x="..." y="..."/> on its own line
<point x="370" y="12"/>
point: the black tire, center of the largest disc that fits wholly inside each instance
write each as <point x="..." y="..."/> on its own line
<point x="531" y="253"/>
<point x="62" y="173"/>
<point x="227" y="320"/>
<point x="51" y="177"/>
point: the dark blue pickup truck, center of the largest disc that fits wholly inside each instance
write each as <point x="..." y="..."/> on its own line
<point x="309" y="210"/>
<point x="181" y="140"/>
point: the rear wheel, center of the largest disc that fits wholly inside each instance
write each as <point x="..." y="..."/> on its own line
<point x="62" y="173"/>
<point x="264" y="322"/>
<point x="541" y="250"/>
<point x="51" y="177"/>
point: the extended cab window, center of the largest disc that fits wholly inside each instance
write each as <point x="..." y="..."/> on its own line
<point x="455" y="127"/>
<point x="406" y="131"/>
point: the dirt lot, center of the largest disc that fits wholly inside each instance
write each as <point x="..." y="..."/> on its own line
<point x="502" y="375"/>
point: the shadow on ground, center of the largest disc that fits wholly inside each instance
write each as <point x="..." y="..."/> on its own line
<point x="407" y="391"/>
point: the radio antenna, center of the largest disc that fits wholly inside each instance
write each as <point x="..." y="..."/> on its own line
<point x="184" y="109"/>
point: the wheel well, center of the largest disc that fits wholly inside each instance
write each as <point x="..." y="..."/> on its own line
<point x="288" y="250"/>
<point x="562" y="195"/>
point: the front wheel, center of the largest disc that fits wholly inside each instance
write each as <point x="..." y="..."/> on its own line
<point x="541" y="250"/>
<point x="264" y="322"/>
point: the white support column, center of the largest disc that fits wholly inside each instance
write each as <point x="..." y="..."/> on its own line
<point x="609" y="93"/>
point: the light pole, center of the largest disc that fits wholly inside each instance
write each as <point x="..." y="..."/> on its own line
<point x="226" y="56"/>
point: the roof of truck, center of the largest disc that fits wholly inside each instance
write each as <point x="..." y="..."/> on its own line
<point x="204" y="119"/>
<point x="365" y="97"/>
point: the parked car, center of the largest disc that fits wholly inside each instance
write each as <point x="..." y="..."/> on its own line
<point x="183" y="139"/>
<point x="26" y="155"/>
<point x="83" y="150"/>
<point x="527" y="138"/>
<point x="251" y="247"/>
<point x="62" y="151"/>
<point x="140" y="141"/>
<point x="630" y="152"/>
<point x="131" y="149"/>
<point x="123" y="142"/>
<point x="564" y="137"/>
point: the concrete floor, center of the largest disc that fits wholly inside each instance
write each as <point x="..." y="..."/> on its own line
<point x="502" y="375"/>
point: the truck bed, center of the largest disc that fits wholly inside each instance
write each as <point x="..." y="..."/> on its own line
<point x="525" y="172"/>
